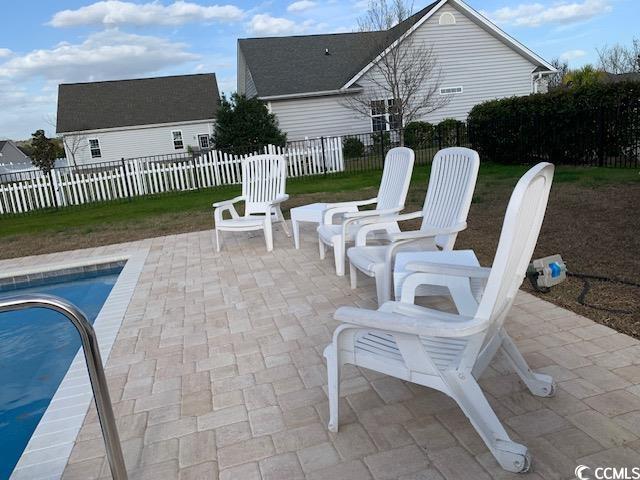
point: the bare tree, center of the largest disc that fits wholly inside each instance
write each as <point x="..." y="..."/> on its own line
<point x="620" y="58"/>
<point x="556" y="80"/>
<point x="73" y="144"/>
<point x="404" y="81"/>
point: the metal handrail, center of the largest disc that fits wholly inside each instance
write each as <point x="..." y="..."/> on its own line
<point x="94" y="366"/>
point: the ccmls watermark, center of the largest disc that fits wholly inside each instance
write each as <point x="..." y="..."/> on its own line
<point x="584" y="472"/>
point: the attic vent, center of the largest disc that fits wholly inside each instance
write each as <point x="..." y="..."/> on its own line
<point x="447" y="18"/>
<point x="326" y="51"/>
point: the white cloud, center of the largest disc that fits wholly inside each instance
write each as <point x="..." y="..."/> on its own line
<point x="5" y="52"/>
<point x="265" y="24"/>
<point x="572" y="55"/>
<point x="301" y="6"/>
<point x="537" y="14"/>
<point x="117" y="12"/>
<point x="104" y="55"/>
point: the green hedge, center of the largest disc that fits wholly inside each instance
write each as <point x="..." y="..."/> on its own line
<point x="352" y="147"/>
<point x="418" y="135"/>
<point x="592" y="125"/>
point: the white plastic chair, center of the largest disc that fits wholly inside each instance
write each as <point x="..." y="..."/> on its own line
<point x="263" y="186"/>
<point x="451" y="184"/>
<point x="445" y="351"/>
<point x="392" y="194"/>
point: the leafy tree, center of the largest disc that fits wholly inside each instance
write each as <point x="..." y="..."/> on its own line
<point x="44" y="151"/>
<point x="244" y="125"/>
<point x="584" y="77"/>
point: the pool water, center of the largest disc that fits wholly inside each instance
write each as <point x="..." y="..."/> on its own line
<point x="37" y="347"/>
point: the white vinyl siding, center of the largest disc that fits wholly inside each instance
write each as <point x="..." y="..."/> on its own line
<point x="250" y="86"/>
<point x="142" y="141"/>
<point x="318" y="116"/>
<point x="470" y="57"/>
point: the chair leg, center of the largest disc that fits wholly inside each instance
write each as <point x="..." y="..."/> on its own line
<point x="353" y="276"/>
<point x="538" y="383"/>
<point x="338" y="257"/>
<point x="323" y="249"/>
<point x="333" y="384"/>
<point x="511" y="456"/>
<point x="284" y="222"/>
<point x="268" y="236"/>
<point x="296" y="233"/>
<point x="383" y="286"/>
<point x="217" y="240"/>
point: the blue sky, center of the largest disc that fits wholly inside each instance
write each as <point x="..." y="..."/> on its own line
<point x="44" y="43"/>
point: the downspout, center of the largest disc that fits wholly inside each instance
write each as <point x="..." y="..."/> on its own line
<point x="536" y="80"/>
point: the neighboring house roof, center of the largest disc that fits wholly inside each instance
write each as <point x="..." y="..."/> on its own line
<point x="623" y="77"/>
<point x="144" y="101"/>
<point x="300" y="64"/>
<point x="297" y="65"/>
<point x="10" y="153"/>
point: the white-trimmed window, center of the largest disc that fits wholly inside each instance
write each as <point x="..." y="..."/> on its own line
<point x="203" y="141"/>
<point x="450" y="90"/>
<point x="176" y="135"/>
<point x="383" y="115"/>
<point x="94" y="146"/>
<point x="447" y="18"/>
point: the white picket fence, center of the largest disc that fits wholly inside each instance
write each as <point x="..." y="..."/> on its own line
<point x="146" y="176"/>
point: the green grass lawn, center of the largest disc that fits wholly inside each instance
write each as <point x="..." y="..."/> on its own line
<point x="107" y="215"/>
<point x="145" y="217"/>
<point x="589" y="221"/>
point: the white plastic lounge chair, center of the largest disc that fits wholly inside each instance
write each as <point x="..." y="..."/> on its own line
<point x="451" y="184"/>
<point x="263" y="185"/>
<point x="445" y="351"/>
<point x="392" y="194"/>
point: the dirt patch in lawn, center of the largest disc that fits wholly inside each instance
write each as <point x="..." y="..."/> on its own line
<point x="597" y="232"/>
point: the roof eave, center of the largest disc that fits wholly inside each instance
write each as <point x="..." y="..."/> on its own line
<point x="321" y="93"/>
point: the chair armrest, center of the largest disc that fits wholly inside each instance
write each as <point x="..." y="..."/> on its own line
<point x="334" y="209"/>
<point x="448" y="269"/>
<point x="354" y="203"/>
<point x="431" y="323"/>
<point x="280" y="199"/>
<point x="225" y="203"/>
<point x="374" y="213"/>
<point x="426" y="233"/>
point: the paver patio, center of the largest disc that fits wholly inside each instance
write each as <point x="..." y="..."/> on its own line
<point x="218" y="370"/>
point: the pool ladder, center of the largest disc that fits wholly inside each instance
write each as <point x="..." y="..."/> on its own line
<point x="94" y="366"/>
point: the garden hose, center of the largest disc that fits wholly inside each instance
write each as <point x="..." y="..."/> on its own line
<point x="587" y="286"/>
<point x="585" y="277"/>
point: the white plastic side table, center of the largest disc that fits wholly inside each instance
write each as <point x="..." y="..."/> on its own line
<point x="458" y="287"/>
<point x="311" y="213"/>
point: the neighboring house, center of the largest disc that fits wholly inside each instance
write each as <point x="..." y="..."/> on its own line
<point x="622" y="77"/>
<point x="10" y="154"/>
<point x="107" y="121"/>
<point x="304" y="79"/>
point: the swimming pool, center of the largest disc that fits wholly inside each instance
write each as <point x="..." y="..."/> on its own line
<point x="36" y="348"/>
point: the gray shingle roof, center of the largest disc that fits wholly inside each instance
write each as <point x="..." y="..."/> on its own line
<point x="145" y="101"/>
<point x="298" y="64"/>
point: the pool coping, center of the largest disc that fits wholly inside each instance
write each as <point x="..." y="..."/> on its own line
<point x="47" y="452"/>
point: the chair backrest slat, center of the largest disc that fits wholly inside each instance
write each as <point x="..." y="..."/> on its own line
<point x="396" y="176"/>
<point x="454" y="173"/>
<point x="263" y="180"/>
<point x="518" y="238"/>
